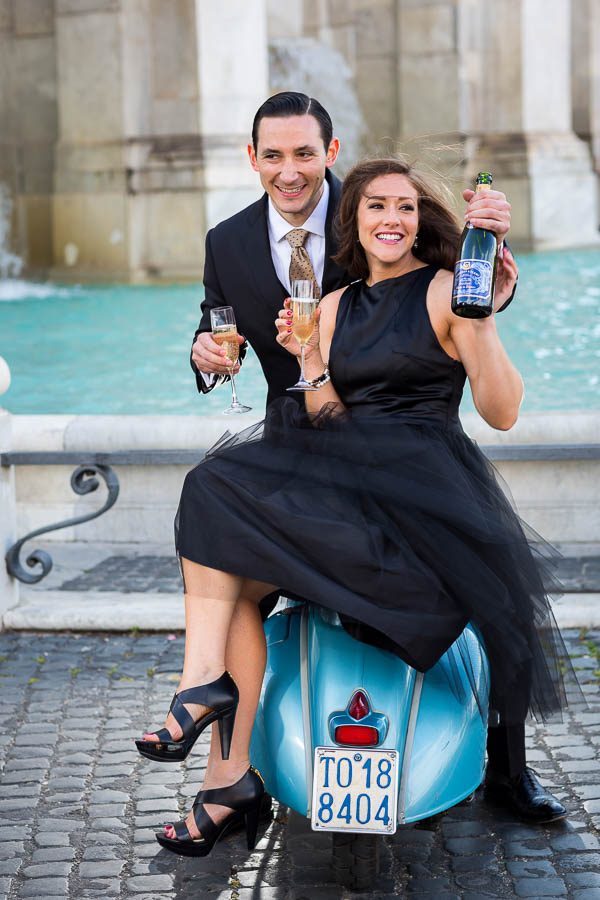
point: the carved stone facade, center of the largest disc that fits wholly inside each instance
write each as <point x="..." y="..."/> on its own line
<point x="123" y="123"/>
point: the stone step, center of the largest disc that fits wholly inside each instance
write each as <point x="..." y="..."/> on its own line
<point x="148" y="611"/>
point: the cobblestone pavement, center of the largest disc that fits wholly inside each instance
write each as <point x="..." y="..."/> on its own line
<point x="79" y="805"/>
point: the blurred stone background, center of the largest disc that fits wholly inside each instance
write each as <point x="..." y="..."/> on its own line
<point x="124" y="123"/>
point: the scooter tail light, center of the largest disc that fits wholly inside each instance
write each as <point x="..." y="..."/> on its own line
<point x="359" y="708"/>
<point x="356" y="735"/>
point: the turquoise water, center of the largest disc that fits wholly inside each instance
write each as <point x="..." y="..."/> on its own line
<point x="116" y="349"/>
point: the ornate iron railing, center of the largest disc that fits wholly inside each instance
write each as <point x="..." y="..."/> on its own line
<point x="98" y="465"/>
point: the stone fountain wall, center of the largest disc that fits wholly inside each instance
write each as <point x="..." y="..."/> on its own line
<point x="124" y="123"/>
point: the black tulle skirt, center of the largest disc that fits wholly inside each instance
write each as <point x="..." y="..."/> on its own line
<point x="401" y="525"/>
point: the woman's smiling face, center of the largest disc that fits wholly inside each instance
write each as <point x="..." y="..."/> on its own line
<point x="388" y="220"/>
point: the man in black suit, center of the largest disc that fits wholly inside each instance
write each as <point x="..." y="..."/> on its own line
<point x="247" y="267"/>
<point x="247" y="256"/>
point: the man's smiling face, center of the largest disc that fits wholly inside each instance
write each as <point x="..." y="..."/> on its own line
<point x="291" y="160"/>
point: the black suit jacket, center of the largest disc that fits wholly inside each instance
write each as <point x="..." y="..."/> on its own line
<point x="239" y="272"/>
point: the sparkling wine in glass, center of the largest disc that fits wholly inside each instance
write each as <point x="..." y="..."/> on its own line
<point x="304" y="307"/>
<point x="224" y="332"/>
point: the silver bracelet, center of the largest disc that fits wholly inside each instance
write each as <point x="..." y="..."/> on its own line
<point x="321" y="379"/>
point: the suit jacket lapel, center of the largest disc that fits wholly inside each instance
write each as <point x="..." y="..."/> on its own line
<point x="333" y="274"/>
<point x="257" y="249"/>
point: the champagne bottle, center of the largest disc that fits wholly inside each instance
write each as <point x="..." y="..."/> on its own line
<point x="475" y="269"/>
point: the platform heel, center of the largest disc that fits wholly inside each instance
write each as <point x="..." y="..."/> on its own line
<point x="221" y="696"/>
<point x="226" y="724"/>
<point x="252" y="817"/>
<point x="244" y="799"/>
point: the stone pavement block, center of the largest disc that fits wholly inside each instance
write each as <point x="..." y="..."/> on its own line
<point x="469" y="845"/>
<point x="106" y="810"/>
<point x="19" y="790"/>
<point x="143" y="851"/>
<point x="587" y="894"/>
<point x="22" y="776"/>
<point x="108" y="796"/>
<point x="531" y="868"/>
<point x="583" y="879"/>
<point x="574" y="861"/>
<point x="10" y="866"/>
<point x="52" y="854"/>
<point x="8" y="849"/>
<point x="151" y="883"/>
<point x="576" y="752"/>
<point x="104" y="838"/>
<point x="588" y="792"/>
<point x="39" y="756"/>
<point x="109" y="823"/>
<point x="463" y="829"/>
<point x="63" y="824"/>
<point x="38" y="728"/>
<point x="65" y="810"/>
<point x="53" y="887"/>
<point x="18" y="803"/>
<point x="435" y="886"/>
<point x="123" y="770"/>
<point x="522" y="848"/>
<point x="101" y="869"/>
<point x="485" y="863"/>
<point x="100" y="853"/>
<point x="75" y="759"/>
<point x="51" y="839"/>
<point x="72" y="797"/>
<point x="39" y="764"/>
<point x="575" y="842"/>
<point x="540" y="887"/>
<point x="47" y="870"/>
<point x="165" y="804"/>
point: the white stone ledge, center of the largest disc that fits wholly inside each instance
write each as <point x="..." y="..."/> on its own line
<point x="95" y="611"/>
<point x="104" y="611"/>
<point x="200" y="432"/>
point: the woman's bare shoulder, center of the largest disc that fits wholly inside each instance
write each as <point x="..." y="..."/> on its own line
<point x="329" y="305"/>
<point x="331" y="300"/>
<point x="441" y="283"/>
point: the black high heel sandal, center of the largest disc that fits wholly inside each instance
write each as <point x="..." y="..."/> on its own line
<point x="244" y="797"/>
<point x="221" y="696"/>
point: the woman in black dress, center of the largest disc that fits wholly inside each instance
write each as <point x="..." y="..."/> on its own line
<point x="371" y="500"/>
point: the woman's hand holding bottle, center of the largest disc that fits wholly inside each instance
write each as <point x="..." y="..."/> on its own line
<point x="506" y="277"/>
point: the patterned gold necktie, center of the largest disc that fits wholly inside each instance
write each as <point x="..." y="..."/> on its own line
<point x="300" y="264"/>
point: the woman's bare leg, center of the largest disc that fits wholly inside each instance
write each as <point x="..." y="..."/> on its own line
<point x="210" y="600"/>
<point x="245" y="658"/>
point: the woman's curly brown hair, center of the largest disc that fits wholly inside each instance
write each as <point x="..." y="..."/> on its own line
<point x="439" y="233"/>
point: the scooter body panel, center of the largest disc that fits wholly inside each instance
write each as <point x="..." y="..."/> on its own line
<point x="313" y="668"/>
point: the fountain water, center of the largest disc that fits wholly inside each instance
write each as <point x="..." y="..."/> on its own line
<point x="10" y="263"/>
<point x="305" y="64"/>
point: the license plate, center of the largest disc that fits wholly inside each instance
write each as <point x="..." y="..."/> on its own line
<point x="355" y="790"/>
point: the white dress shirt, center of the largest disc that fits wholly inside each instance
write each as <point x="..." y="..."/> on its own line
<point x="281" y="251"/>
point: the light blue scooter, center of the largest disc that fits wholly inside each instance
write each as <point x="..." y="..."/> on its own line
<point x="358" y="741"/>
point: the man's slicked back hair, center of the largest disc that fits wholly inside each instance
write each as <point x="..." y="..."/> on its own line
<point x="292" y="103"/>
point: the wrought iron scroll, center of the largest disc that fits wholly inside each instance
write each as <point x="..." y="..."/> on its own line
<point x="83" y="481"/>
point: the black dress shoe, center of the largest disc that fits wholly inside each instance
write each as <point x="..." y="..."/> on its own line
<point x="524" y="794"/>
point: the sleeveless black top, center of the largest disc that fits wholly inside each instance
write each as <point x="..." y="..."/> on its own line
<point x="385" y="356"/>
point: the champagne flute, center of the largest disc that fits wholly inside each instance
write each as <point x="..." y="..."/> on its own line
<point x="224" y="332"/>
<point x="304" y="306"/>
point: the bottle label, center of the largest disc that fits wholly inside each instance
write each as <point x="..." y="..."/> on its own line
<point x="472" y="278"/>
